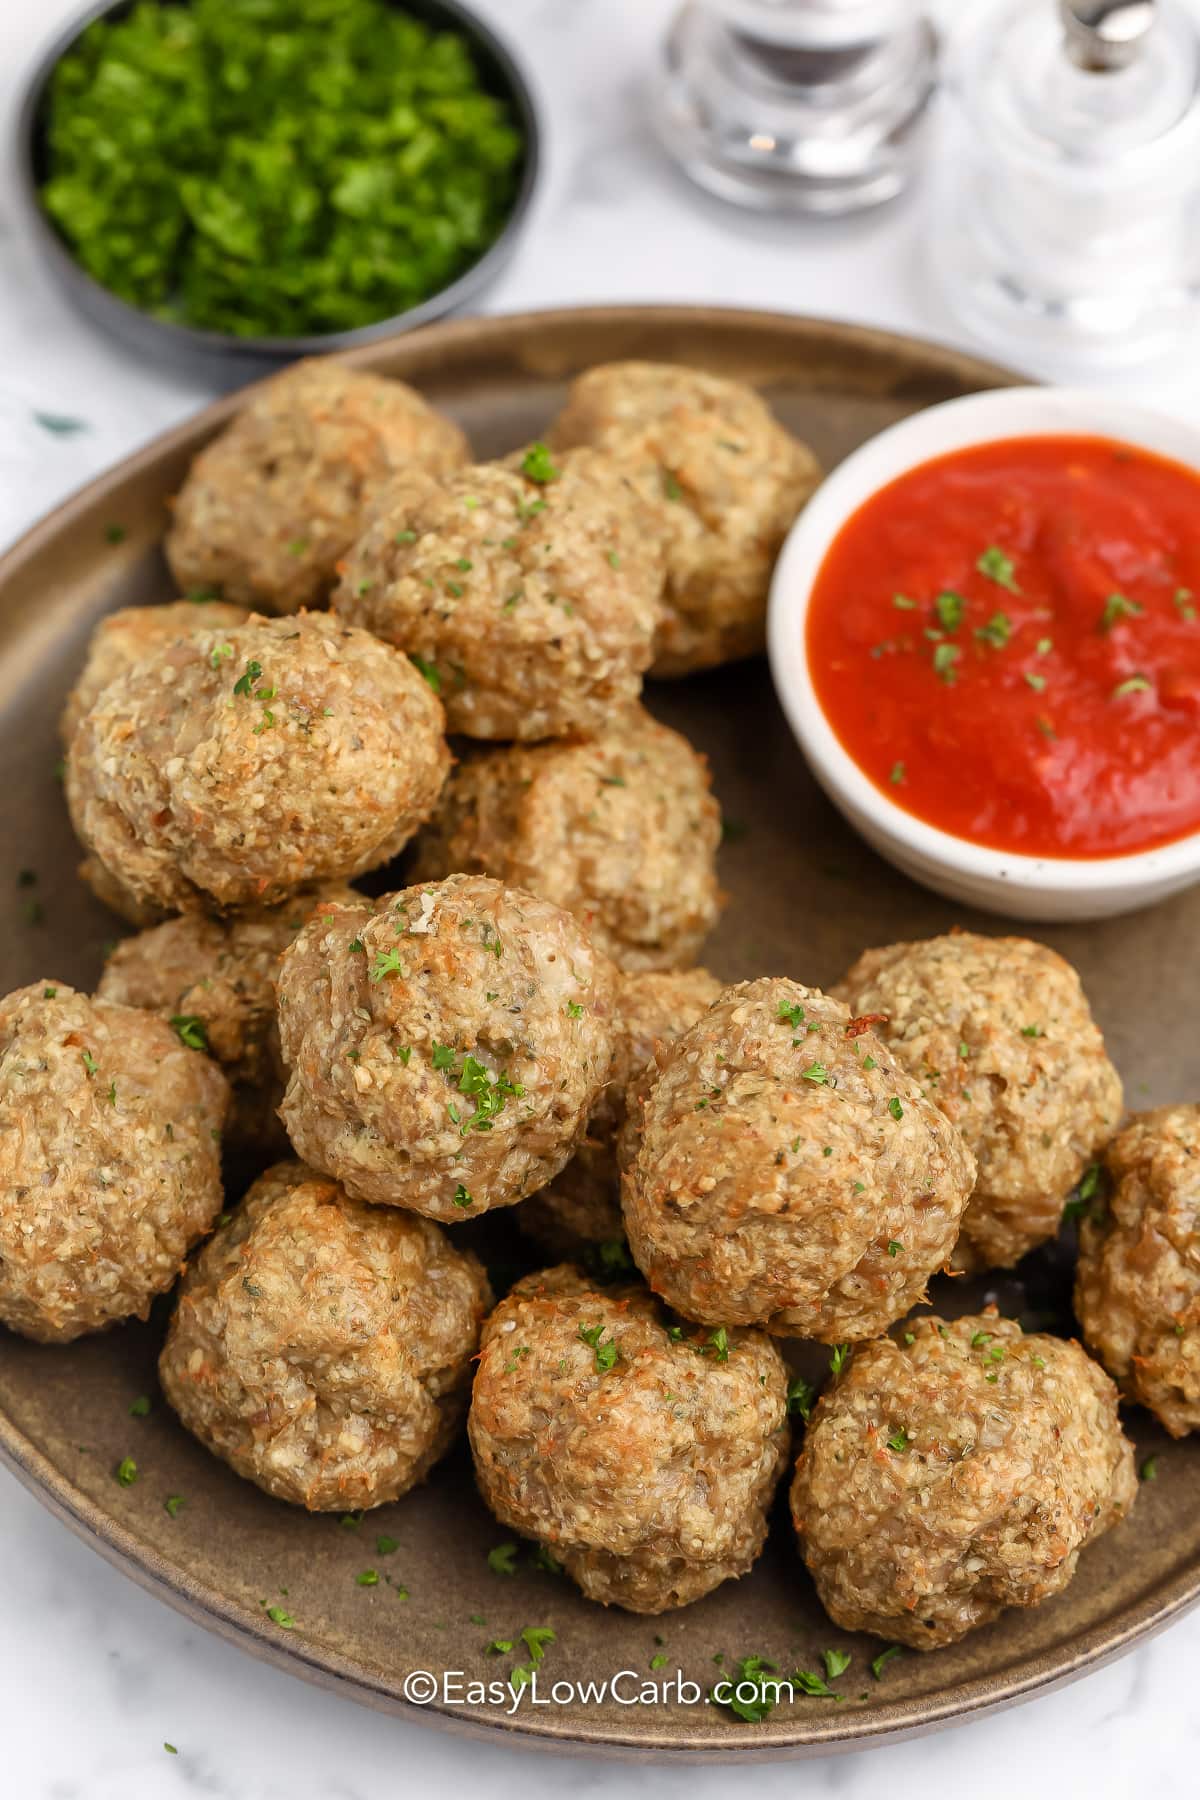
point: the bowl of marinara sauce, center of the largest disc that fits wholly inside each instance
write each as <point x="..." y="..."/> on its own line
<point x="985" y="632"/>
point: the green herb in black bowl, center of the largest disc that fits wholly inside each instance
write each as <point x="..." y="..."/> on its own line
<point x="235" y="182"/>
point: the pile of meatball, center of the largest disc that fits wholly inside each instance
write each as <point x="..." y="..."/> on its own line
<point x="387" y="651"/>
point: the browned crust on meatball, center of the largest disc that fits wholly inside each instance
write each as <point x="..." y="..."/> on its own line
<point x="722" y="482"/>
<point x="580" y="1210"/>
<point x="780" y="1168"/>
<point x="621" y="830"/>
<point x="270" y="507"/>
<point x="445" y="1044"/>
<point x="321" y="1347"/>
<point x="234" y="766"/>
<point x="1137" y="1284"/>
<point x="644" y="1461"/>
<point x="999" y="1033"/>
<point x="110" y="1159"/>
<point x="531" y="605"/>
<point x="221" y="973"/>
<point x="123" y="638"/>
<point x="954" y="1472"/>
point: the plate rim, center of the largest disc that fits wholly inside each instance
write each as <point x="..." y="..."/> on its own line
<point x="889" y="1721"/>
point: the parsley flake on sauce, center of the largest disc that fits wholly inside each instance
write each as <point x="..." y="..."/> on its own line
<point x="538" y="465"/>
<point x="998" y="568"/>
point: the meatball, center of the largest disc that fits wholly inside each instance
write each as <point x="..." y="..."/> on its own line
<point x="235" y="766"/>
<point x="110" y="1159"/>
<point x="322" y="1348"/>
<point x="213" y="979"/>
<point x="781" y="1169"/>
<point x="999" y="1033"/>
<point x="723" y="482"/>
<point x="529" y="601"/>
<point x="579" y="1214"/>
<point x="272" y="505"/>
<point x="620" y="830"/>
<point x="954" y="1473"/>
<point x="445" y="1045"/>
<point x="123" y="638"/>
<point x="644" y="1456"/>
<point x="1137" y="1285"/>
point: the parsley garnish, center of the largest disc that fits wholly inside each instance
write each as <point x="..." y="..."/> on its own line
<point x="895" y="1108"/>
<point x="427" y="669"/>
<point x="245" y="682"/>
<point x="538" y="465"/>
<point x="503" y="1559"/>
<point x="1116" y="608"/>
<point x="605" y="1354"/>
<point x="800" y="1396"/>
<point x="944" y="658"/>
<point x="839" y="1358"/>
<point x="127" y="1471"/>
<point x="462" y="1198"/>
<point x="998" y="568"/>
<point x="883" y="1659"/>
<point x="950" y="608"/>
<point x="190" y="1030"/>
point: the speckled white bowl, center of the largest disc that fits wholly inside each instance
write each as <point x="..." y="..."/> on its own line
<point x="1021" y="887"/>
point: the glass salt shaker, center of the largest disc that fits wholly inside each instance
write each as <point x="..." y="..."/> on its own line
<point x="1065" y="226"/>
<point x="801" y="106"/>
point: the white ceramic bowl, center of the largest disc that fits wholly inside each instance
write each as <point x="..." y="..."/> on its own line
<point x="1023" y="887"/>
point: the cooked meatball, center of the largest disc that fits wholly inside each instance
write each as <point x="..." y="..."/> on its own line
<point x="235" y="766"/>
<point x="620" y="830"/>
<point x="1137" y="1285"/>
<point x="110" y="1159"/>
<point x="954" y="1472"/>
<point x="999" y="1033"/>
<point x="780" y="1168"/>
<point x="645" y="1461"/>
<point x="579" y="1214"/>
<point x="273" y="504"/>
<point x="445" y="1044"/>
<point x="530" y="603"/>
<point x="322" y="1348"/>
<point x="723" y="482"/>
<point x="214" y="980"/>
<point x="123" y="638"/>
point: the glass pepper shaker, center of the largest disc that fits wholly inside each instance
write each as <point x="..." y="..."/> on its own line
<point x="1065" y="226"/>
<point x="801" y="106"/>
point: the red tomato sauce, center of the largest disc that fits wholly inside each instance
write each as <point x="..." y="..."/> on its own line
<point x="1007" y="641"/>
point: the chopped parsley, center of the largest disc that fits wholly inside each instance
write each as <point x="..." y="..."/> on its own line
<point x="895" y="1108"/>
<point x="387" y="962"/>
<point x="427" y="669"/>
<point x="800" y="1396"/>
<point x="1149" y="1469"/>
<point x="140" y="1407"/>
<point x="897" y="774"/>
<point x="752" y="1673"/>
<point x="89" y="1063"/>
<point x="814" y="1685"/>
<point x="191" y="1031"/>
<point x="944" y="658"/>
<point x="1133" y="684"/>
<point x="245" y="681"/>
<point x="894" y="1247"/>
<point x="172" y="1504"/>
<point x="386" y="1545"/>
<point x="503" y="1559"/>
<point x="1116" y="608"/>
<point x="538" y="465"/>
<point x="899" y="1440"/>
<point x="605" y="1354"/>
<point x="462" y="1198"/>
<point x="950" y="608"/>
<point x="839" y="1358"/>
<point x="794" y="1015"/>
<point x="998" y="568"/>
<point x="836" y="1662"/>
<point x="367" y="1578"/>
<point x="127" y="1471"/>
<point x="881" y="1662"/>
<point x="996" y="632"/>
<point x="279" y="1615"/>
<point x="817" y="1073"/>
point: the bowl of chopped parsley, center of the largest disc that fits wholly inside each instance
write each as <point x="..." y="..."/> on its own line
<point x="231" y="183"/>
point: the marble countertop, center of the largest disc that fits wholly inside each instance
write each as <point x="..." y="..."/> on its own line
<point x="98" y="1676"/>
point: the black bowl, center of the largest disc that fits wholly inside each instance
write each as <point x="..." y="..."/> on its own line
<point x="221" y="358"/>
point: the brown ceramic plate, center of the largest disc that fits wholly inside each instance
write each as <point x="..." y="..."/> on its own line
<point x="805" y="897"/>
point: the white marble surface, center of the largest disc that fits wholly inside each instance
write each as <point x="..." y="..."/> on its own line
<point x="97" y="1675"/>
